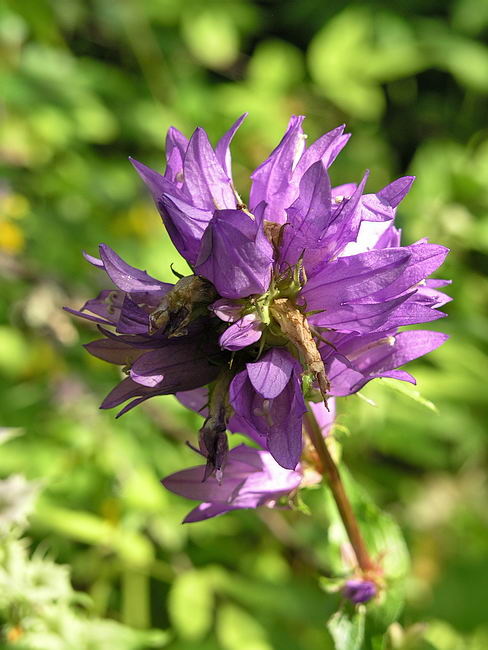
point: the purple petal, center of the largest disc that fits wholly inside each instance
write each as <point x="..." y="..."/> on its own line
<point x="325" y="150"/>
<point x="371" y="235"/>
<point x="325" y="418"/>
<point x="271" y="180"/>
<point x="411" y="313"/>
<point x="279" y="419"/>
<point x="196" y="400"/>
<point x="407" y="346"/>
<point x="237" y="424"/>
<point x="343" y="378"/>
<point x="345" y="191"/>
<point x="376" y="355"/>
<point x="382" y="206"/>
<point x="112" y="351"/>
<point x="185" y="224"/>
<point x="227" y="310"/>
<point x="309" y="215"/>
<point x="82" y="314"/>
<point x="204" y="178"/>
<point x="133" y="319"/>
<point x="235" y="255"/>
<point x="222" y="150"/>
<point x="390" y="238"/>
<point x="395" y="192"/>
<point x="270" y="375"/>
<point x="252" y="478"/>
<point x="176" y="146"/>
<point x="359" y="317"/>
<point x="93" y="260"/>
<point x="424" y="260"/>
<point x="178" y="366"/>
<point x="355" y="277"/>
<point x="244" y="332"/>
<point x="285" y="435"/>
<point x="124" y="391"/>
<point x="428" y="294"/>
<point x="401" y="375"/>
<point x="344" y="223"/>
<point x="127" y="277"/>
<point x="206" y="511"/>
<point x="156" y="183"/>
<point x="107" y="304"/>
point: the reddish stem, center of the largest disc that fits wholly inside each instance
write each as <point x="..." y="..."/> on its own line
<point x="331" y="472"/>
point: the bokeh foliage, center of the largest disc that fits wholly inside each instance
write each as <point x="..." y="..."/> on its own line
<point x="84" y="85"/>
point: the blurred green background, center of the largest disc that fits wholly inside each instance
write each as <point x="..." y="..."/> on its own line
<point x="85" y="84"/>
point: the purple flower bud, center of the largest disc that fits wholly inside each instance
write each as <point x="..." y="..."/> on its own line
<point x="242" y="333"/>
<point x="359" y="591"/>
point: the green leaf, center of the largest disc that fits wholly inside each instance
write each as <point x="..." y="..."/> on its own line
<point x="7" y="433"/>
<point x="236" y="629"/>
<point x="276" y="64"/>
<point x="409" y="391"/>
<point x="211" y="37"/>
<point x="190" y="604"/>
<point x="86" y="527"/>
<point x="336" y="58"/>
<point x="347" y="628"/>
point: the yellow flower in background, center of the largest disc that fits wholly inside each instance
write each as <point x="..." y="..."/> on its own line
<point x="12" y="207"/>
<point x="11" y="237"/>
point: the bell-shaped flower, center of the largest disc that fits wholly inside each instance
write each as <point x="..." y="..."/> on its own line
<point x="252" y="479"/>
<point x="268" y="396"/>
<point x="235" y="255"/>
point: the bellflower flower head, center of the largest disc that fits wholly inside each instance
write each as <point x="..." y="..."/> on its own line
<point x="301" y="294"/>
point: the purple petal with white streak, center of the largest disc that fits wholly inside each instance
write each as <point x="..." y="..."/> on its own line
<point x="242" y="333"/>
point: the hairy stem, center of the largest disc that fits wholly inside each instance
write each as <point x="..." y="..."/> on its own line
<point x="331" y="472"/>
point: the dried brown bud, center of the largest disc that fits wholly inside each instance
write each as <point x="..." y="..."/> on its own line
<point x="188" y="299"/>
<point x="296" y="328"/>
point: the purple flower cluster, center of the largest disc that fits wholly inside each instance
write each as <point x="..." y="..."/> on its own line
<point x="297" y="296"/>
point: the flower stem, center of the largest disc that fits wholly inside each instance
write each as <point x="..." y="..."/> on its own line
<point x="331" y="472"/>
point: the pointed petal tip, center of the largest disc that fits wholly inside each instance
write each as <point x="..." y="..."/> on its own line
<point x="91" y="259"/>
<point x="136" y="164"/>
